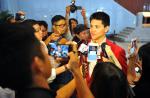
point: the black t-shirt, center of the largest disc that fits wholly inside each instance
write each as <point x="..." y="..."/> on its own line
<point x="141" y="90"/>
<point x="35" y="93"/>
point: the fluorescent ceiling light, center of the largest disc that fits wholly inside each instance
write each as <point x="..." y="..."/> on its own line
<point x="146" y="14"/>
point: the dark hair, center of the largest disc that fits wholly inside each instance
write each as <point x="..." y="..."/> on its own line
<point x="73" y="20"/>
<point x="70" y="27"/>
<point x="108" y="81"/>
<point x="144" y="55"/>
<point x="79" y="28"/>
<point x="101" y="16"/>
<point x="18" y="47"/>
<point x="30" y="22"/>
<point x="57" y="18"/>
<point x="44" y="23"/>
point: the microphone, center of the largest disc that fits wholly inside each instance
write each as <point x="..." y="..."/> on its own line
<point x="103" y="45"/>
<point x="108" y="53"/>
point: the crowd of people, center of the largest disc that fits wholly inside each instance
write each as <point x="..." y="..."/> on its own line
<point x="29" y="69"/>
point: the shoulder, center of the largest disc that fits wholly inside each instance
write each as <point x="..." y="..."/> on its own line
<point x="35" y="93"/>
<point x="114" y="46"/>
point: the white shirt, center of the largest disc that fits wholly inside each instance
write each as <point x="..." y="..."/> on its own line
<point x="92" y="64"/>
<point x="6" y="93"/>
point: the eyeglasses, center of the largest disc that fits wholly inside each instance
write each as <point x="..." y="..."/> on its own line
<point x="61" y="25"/>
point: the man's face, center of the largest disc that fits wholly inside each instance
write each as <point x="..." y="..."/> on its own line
<point x="60" y="27"/>
<point x="97" y="30"/>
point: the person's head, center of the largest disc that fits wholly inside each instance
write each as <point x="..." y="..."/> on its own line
<point x="108" y="81"/>
<point x="10" y="19"/>
<point x="59" y="24"/>
<point x="36" y="26"/>
<point x="72" y="23"/>
<point x="22" y="59"/>
<point x="80" y="30"/>
<point x="99" y="25"/>
<point x="144" y="57"/>
<point x="44" y="28"/>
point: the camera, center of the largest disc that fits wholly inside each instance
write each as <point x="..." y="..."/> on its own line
<point x="73" y="7"/>
<point x="19" y="17"/>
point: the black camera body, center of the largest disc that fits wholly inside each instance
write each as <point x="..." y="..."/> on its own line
<point x="19" y="17"/>
<point x="74" y="8"/>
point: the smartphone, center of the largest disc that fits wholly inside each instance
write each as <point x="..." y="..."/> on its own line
<point x="103" y="46"/>
<point x="133" y="45"/>
<point x="92" y="52"/>
<point x="58" y="50"/>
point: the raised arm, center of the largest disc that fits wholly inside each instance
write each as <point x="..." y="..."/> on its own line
<point x="83" y="13"/>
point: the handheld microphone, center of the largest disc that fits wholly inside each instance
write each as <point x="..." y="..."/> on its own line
<point x="103" y="49"/>
<point x="108" y="53"/>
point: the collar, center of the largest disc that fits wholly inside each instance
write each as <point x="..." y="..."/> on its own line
<point x="104" y="40"/>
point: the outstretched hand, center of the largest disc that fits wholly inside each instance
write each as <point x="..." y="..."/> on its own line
<point x="73" y="64"/>
<point x="83" y="12"/>
<point x="68" y="9"/>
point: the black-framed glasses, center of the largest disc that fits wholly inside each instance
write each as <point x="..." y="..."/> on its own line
<point x="61" y="25"/>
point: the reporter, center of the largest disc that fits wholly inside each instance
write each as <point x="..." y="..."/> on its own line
<point x="142" y="86"/>
<point x="108" y="81"/>
<point x="25" y="66"/>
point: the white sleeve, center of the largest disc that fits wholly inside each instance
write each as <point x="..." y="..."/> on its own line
<point x="6" y="93"/>
<point x="53" y="75"/>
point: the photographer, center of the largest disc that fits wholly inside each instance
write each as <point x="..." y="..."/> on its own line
<point x="72" y="22"/>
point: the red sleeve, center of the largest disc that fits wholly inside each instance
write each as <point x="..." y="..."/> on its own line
<point x="122" y="60"/>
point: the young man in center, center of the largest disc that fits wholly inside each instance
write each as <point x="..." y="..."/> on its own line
<point x="99" y="26"/>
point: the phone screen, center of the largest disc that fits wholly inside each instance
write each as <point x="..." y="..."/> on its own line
<point x="92" y="53"/>
<point x="58" y="50"/>
<point x="133" y="46"/>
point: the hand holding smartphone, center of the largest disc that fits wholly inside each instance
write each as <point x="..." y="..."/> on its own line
<point x="133" y="46"/>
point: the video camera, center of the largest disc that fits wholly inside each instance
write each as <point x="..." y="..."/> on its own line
<point x="73" y="7"/>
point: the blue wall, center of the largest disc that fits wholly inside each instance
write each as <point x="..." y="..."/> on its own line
<point x="46" y="9"/>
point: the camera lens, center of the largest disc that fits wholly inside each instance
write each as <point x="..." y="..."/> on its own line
<point x="73" y="8"/>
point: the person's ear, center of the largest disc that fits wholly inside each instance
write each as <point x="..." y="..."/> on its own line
<point x="53" y="27"/>
<point x="107" y="28"/>
<point x="37" y="65"/>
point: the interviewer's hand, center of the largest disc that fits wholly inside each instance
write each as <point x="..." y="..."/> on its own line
<point x="73" y="62"/>
<point x="106" y="59"/>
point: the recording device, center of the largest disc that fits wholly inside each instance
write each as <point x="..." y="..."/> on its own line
<point x="73" y="7"/>
<point x="103" y="50"/>
<point x="92" y="52"/>
<point x="133" y="45"/>
<point x="83" y="48"/>
<point x="19" y="17"/>
<point x="110" y="55"/>
<point x="58" y="50"/>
